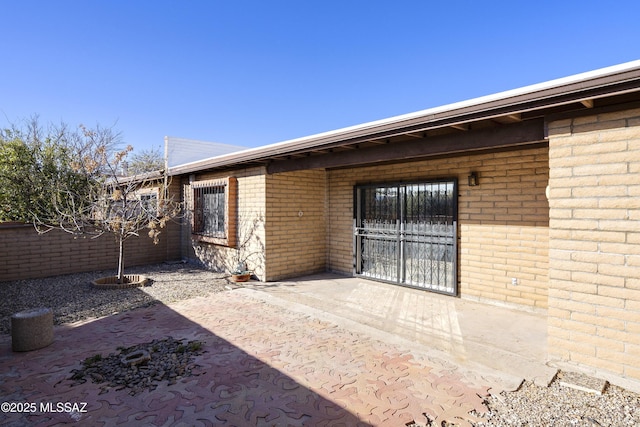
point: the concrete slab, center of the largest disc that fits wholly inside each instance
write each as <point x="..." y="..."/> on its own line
<point x="506" y="341"/>
<point x="582" y="382"/>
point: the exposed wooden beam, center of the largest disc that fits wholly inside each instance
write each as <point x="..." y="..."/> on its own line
<point x="587" y="103"/>
<point x="509" y="118"/>
<point x="527" y="132"/>
<point x="465" y="127"/>
<point x="415" y="135"/>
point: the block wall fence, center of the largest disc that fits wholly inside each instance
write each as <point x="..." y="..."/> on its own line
<point x="594" y="251"/>
<point x="25" y="254"/>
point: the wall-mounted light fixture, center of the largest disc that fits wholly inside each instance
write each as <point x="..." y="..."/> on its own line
<point x="473" y="179"/>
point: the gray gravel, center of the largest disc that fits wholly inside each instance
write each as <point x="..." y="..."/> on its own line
<point x="73" y="298"/>
<point x="561" y="406"/>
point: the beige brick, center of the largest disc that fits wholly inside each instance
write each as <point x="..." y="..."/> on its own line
<point x="601" y="169"/>
<point x="573" y="265"/>
<point x="620" y="248"/>
<point x="578" y="347"/>
<point x="603" y="147"/>
<point x="615" y="334"/>
<point x="620" y="293"/>
<point x="598" y="126"/>
<point x="611" y="313"/>
<point x="616" y="273"/>
<point x="619" y="203"/>
<point x="599" y="236"/>
<point x="585" y="280"/>
<point x="617" y="115"/>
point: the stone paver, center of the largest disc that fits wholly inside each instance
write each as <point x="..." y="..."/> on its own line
<point x="264" y="365"/>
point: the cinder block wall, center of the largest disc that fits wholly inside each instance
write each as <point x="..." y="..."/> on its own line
<point x="296" y="224"/>
<point x="503" y="222"/>
<point x="250" y="207"/>
<point x="24" y="254"/>
<point x="594" y="251"/>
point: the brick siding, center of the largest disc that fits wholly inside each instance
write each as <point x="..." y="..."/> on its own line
<point x="594" y="252"/>
<point x="503" y="222"/>
<point x="247" y="211"/>
<point x="296" y="226"/>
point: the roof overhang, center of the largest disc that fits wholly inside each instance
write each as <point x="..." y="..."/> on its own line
<point x="445" y="124"/>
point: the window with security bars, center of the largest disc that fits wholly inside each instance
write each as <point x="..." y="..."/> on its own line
<point x="209" y="211"/>
<point x="213" y="211"/>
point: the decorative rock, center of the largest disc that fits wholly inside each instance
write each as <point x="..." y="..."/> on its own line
<point x="31" y="329"/>
<point x="141" y="366"/>
<point x="136" y="358"/>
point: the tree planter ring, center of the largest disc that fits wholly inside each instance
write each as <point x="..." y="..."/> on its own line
<point x="128" y="281"/>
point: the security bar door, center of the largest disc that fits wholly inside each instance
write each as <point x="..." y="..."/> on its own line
<point x="406" y="234"/>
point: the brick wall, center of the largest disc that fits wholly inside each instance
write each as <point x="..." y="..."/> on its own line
<point x="24" y="254"/>
<point x="282" y="242"/>
<point x="594" y="251"/>
<point x="249" y="210"/>
<point x="296" y="227"/>
<point x="503" y="222"/>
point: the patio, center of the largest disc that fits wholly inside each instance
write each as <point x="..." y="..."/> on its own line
<point x="511" y="342"/>
<point x="324" y="349"/>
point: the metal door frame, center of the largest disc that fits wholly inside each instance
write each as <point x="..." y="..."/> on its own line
<point x="402" y="236"/>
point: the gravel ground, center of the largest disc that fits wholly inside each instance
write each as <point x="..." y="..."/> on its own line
<point x="561" y="406"/>
<point x="73" y="298"/>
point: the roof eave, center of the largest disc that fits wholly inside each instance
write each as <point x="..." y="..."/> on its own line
<point x="608" y="81"/>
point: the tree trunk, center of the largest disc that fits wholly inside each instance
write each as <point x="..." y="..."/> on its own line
<point x="120" y="260"/>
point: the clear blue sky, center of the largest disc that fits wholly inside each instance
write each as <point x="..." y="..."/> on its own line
<point x="256" y="72"/>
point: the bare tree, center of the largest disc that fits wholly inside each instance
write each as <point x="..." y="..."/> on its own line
<point x="145" y="161"/>
<point x="107" y="202"/>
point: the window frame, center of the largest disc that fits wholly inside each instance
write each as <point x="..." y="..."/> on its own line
<point x="149" y="199"/>
<point x="228" y="236"/>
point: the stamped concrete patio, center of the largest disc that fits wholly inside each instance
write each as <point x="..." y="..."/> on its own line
<point x="322" y="350"/>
